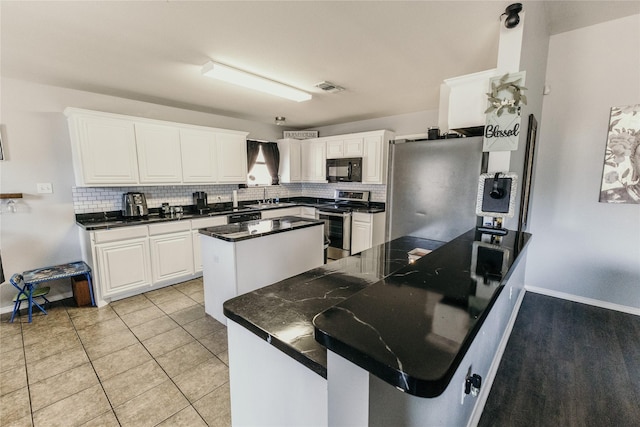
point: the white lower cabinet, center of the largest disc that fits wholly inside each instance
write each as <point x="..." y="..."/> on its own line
<point x="132" y="260"/>
<point x="367" y="230"/>
<point x="124" y="266"/>
<point x="171" y="250"/>
<point x="122" y="261"/>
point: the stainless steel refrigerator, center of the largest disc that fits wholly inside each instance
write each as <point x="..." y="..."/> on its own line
<point x="433" y="187"/>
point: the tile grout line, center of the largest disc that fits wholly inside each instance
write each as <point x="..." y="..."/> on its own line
<point x="189" y="403"/>
<point x="94" y="371"/>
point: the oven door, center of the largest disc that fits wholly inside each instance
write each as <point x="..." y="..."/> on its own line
<point x="337" y="227"/>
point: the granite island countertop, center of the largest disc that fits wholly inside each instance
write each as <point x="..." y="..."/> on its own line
<point x="282" y="313"/>
<point x="259" y="228"/>
<point x="413" y="328"/>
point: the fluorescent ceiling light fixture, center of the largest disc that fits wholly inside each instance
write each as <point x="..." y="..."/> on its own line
<point x="251" y="81"/>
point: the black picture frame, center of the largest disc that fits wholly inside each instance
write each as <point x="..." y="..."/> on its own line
<point x="527" y="173"/>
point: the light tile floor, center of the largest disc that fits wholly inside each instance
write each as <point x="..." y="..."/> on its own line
<point x="155" y="359"/>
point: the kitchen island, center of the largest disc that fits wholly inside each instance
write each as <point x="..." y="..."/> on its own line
<point x="242" y="257"/>
<point x="420" y="328"/>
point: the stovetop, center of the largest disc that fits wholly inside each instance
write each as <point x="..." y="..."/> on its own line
<point x="344" y="206"/>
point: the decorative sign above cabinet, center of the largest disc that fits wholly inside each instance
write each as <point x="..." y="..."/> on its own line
<point x="502" y="129"/>
<point x="300" y="134"/>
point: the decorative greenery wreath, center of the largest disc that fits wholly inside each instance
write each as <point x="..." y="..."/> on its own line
<point x="510" y="105"/>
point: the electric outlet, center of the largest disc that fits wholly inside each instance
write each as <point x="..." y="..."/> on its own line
<point x="44" y="188"/>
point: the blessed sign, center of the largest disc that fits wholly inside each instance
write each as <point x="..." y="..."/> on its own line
<point x="502" y="128"/>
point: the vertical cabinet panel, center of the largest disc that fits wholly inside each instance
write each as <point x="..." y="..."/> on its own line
<point x="104" y="151"/>
<point x="232" y="158"/>
<point x="374" y="166"/>
<point x="123" y="266"/>
<point x="199" y="156"/>
<point x="158" y="153"/>
<point x="314" y="159"/>
<point x="290" y="160"/>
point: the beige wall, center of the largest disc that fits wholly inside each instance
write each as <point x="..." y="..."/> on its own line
<point x="582" y="247"/>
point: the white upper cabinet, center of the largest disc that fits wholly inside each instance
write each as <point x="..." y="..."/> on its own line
<point x="158" y="153"/>
<point x="290" y="169"/>
<point x="199" y="156"/>
<point x="232" y="158"/>
<point x="104" y="150"/>
<point x="344" y="147"/>
<point x="374" y="162"/>
<point x="372" y="146"/>
<point x="113" y="150"/>
<point x="314" y="158"/>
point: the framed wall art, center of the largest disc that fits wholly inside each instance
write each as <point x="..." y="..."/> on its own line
<point x="621" y="169"/>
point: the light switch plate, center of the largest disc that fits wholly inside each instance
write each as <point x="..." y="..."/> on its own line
<point x="44" y="187"/>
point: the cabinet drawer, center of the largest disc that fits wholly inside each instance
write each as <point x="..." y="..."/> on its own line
<point x="123" y="233"/>
<point x="361" y="217"/>
<point x="197" y="224"/>
<point x="169" y="227"/>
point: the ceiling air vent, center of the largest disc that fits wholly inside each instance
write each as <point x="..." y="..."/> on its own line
<point x="329" y="87"/>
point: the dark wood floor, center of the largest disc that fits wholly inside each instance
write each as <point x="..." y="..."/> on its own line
<point x="567" y="364"/>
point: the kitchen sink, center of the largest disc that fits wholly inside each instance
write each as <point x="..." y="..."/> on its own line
<point x="271" y="205"/>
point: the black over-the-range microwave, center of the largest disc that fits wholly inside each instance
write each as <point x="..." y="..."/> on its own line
<point x="344" y="170"/>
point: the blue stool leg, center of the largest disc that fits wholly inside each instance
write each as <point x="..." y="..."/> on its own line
<point x="16" y="308"/>
<point x="40" y="307"/>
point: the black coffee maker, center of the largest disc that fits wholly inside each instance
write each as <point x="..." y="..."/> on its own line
<point x="200" y="200"/>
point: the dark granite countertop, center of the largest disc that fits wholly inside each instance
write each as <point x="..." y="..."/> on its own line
<point x="258" y="228"/>
<point x="413" y="328"/>
<point x="114" y="219"/>
<point x="282" y="313"/>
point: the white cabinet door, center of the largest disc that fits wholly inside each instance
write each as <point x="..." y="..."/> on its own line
<point x="232" y="158"/>
<point x="197" y="224"/>
<point x="335" y="149"/>
<point x="353" y="147"/>
<point x="361" y="232"/>
<point x="344" y="147"/>
<point x="171" y="256"/>
<point x="104" y="150"/>
<point x="314" y="160"/>
<point x="123" y="266"/>
<point x="290" y="169"/>
<point x="275" y="213"/>
<point x="158" y="153"/>
<point x="199" y="156"/>
<point x="373" y="163"/>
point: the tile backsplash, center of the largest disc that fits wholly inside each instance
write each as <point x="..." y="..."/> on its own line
<point x="103" y="199"/>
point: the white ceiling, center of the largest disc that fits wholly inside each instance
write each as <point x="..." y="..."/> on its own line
<point x="390" y="55"/>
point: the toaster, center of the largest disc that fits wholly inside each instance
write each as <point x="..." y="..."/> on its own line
<point x="134" y="205"/>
